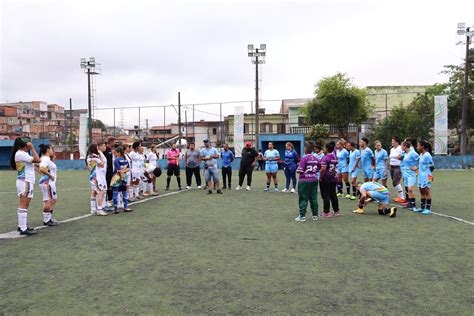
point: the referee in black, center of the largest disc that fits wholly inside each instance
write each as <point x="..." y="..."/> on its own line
<point x="110" y="168"/>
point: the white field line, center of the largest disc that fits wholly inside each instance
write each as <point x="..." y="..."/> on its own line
<point x="14" y="234"/>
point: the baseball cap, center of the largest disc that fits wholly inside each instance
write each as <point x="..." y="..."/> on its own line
<point x="248" y="144"/>
<point x="206" y="140"/>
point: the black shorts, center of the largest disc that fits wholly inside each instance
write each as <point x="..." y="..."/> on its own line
<point x="172" y="170"/>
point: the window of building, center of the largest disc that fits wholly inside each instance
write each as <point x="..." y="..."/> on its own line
<point x="301" y="121"/>
<point x="246" y="128"/>
<point x="266" y="128"/>
<point x="214" y="131"/>
<point x="281" y="128"/>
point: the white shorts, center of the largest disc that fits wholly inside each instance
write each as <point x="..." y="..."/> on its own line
<point x="128" y="177"/>
<point x="24" y="188"/>
<point x="49" y="191"/>
<point x="99" y="184"/>
<point x="136" y="175"/>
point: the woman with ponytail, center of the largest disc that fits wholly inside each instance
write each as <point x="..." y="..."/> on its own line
<point x="425" y="177"/>
<point x="23" y="163"/>
<point x="47" y="183"/>
<point x="96" y="163"/>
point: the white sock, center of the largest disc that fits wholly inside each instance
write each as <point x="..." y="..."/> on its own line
<point x="130" y="192"/>
<point x="150" y="187"/>
<point x="47" y="217"/>
<point x="93" y="205"/>
<point x="104" y="199"/>
<point x="400" y="193"/>
<point x="22" y="218"/>
<point x="143" y="186"/>
<point x="137" y="190"/>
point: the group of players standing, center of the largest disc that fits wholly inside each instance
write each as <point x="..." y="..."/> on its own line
<point x="340" y="163"/>
<point x="120" y="174"/>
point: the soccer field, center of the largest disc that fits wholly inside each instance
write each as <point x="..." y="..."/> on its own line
<point x="240" y="252"/>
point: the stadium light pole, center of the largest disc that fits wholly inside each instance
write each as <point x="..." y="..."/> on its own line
<point x="257" y="56"/>
<point x="462" y="30"/>
<point x="91" y="67"/>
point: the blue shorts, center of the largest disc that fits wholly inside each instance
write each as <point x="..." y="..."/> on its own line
<point x="271" y="168"/>
<point x="342" y="168"/>
<point x="380" y="197"/>
<point x="211" y="174"/>
<point x="355" y="174"/>
<point x="379" y="174"/>
<point x="409" y="180"/>
<point x="368" y="173"/>
<point x="424" y="181"/>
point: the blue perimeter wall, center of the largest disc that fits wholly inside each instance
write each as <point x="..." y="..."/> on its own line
<point x="441" y="162"/>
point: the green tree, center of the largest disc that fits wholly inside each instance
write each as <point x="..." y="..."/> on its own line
<point x="99" y="124"/>
<point x="337" y="102"/>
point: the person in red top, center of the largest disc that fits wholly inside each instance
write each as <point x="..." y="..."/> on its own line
<point x="173" y="166"/>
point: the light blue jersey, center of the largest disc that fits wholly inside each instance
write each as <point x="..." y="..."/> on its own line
<point x="342" y="157"/>
<point x="207" y="152"/>
<point x="353" y="163"/>
<point x="366" y="156"/>
<point x="424" y="170"/>
<point x="272" y="156"/>
<point x="271" y="164"/>
<point x="319" y="156"/>
<point x="410" y="160"/>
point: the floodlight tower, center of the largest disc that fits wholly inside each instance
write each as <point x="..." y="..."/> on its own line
<point x="257" y="56"/>
<point x="91" y="67"/>
<point x="468" y="32"/>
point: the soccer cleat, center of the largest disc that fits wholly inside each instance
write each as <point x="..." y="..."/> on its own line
<point x="381" y="212"/>
<point x="413" y="209"/>
<point x="419" y="210"/>
<point x="116" y="212"/>
<point x="188" y="187"/>
<point x="393" y="212"/>
<point x="209" y="191"/>
<point x="101" y="213"/>
<point x="51" y="222"/>
<point x="276" y="189"/>
<point x="238" y="188"/>
<point x="340" y="195"/>
<point x="337" y="214"/>
<point x="28" y="227"/>
<point x="127" y="210"/>
<point x="405" y="205"/>
<point x="28" y="232"/>
<point x="426" y="212"/>
<point x="180" y="189"/>
<point x="326" y="215"/>
<point x="199" y="187"/>
<point x="293" y="190"/>
<point x="285" y="190"/>
<point x="93" y="212"/>
<point x="145" y="194"/>
<point x="353" y="197"/>
<point x="358" y="211"/>
<point x="315" y="218"/>
<point x="300" y="219"/>
<point x="219" y="191"/>
<point x="399" y="200"/>
<point x="348" y="196"/>
<point x="248" y="188"/>
<point x="266" y="190"/>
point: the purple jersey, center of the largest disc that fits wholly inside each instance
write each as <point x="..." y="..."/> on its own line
<point x="330" y="162"/>
<point x="308" y="168"/>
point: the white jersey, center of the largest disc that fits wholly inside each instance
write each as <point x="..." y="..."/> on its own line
<point x="395" y="152"/>
<point x="47" y="163"/>
<point x="136" y="159"/>
<point x="152" y="159"/>
<point x="24" y="166"/>
<point x="102" y="171"/>
<point x="142" y="162"/>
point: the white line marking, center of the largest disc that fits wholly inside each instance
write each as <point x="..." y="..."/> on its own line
<point x="15" y="234"/>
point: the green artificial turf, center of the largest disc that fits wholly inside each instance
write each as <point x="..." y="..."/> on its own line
<point x="240" y="252"/>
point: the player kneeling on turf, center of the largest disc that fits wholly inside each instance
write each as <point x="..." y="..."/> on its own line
<point x="377" y="192"/>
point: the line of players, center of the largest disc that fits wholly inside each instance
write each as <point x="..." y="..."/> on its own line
<point x="333" y="170"/>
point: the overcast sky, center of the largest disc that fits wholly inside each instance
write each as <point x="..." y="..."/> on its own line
<point x="150" y="50"/>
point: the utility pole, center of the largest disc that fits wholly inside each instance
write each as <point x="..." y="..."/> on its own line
<point x="465" y="97"/>
<point x="89" y="103"/>
<point x="146" y="127"/>
<point x="221" y="123"/>
<point x="69" y="132"/>
<point x="255" y="53"/>
<point x="179" y="120"/>
<point x="194" y="127"/>
<point x="164" y="123"/>
<point x="257" y="145"/>
<point x="115" y="127"/>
